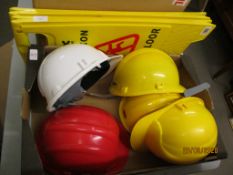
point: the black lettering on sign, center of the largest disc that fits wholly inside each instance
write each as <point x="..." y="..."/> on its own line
<point x="151" y="38"/>
<point x="67" y="42"/>
<point x="83" y="36"/>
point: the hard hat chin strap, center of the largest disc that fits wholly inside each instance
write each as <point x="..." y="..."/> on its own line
<point x="100" y="95"/>
<point x="196" y="89"/>
<point x="74" y="94"/>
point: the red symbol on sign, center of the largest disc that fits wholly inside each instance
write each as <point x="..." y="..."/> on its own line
<point x="115" y="46"/>
<point x="180" y="2"/>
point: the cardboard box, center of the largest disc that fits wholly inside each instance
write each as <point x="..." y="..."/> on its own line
<point x="118" y="5"/>
<point x="138" y="162"/>
<point x="34" y="105"/>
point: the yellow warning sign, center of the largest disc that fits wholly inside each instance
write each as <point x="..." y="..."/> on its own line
<point x="111" y="32"/>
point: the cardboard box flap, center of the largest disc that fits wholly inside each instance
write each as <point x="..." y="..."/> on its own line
<point x="119" y="5"/>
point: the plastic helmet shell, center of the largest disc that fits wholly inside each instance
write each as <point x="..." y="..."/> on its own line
<point x="80" y="139"/>
<point x="146" y="71"/>
<point x="167" y="132"/>
<point x="132" y="109"/>
<point x="63" y="67"/>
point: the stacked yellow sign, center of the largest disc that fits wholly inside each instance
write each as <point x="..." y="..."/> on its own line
<point x="112" y="32"/>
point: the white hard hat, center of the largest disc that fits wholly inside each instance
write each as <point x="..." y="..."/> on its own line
<point x="67" y="72"/>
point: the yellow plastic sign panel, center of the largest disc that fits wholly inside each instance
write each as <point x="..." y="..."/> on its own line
<point x="29" y="11"/>
<point x="114" y="38"/>
<point x="65" y="19"/>
<point x="113" y="33"/>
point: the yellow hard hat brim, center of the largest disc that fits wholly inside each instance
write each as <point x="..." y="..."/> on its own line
<point x="138" y="134"/>
<point x="121" y="114"/>
<point x="117" y="92"/>
<point x="180" y="89"/>
<point x="132" y="109"/>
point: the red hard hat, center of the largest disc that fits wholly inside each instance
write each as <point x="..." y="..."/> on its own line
<point x="81" y="139"/>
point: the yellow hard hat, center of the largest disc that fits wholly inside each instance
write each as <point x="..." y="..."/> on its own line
<point x="131" y="109"/>
<point x="183" y="132"/>
<point x="146" y="71"/>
